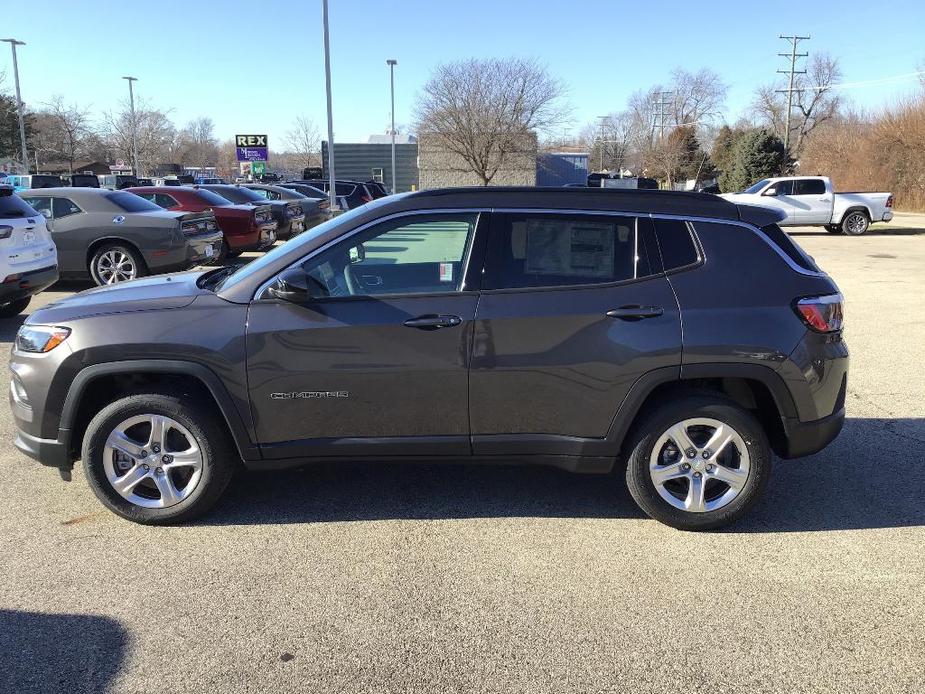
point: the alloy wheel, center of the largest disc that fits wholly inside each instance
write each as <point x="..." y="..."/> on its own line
<point x="699" y="465"/>
<point x="152" y="461"/>
<point x="115" y="266"/>
<point x="856" y="223"/>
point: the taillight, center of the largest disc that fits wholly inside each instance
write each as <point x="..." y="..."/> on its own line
<point x="824" y="314"/>
<point x="889" y="201"/>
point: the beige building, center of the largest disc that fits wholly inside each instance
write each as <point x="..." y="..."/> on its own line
<point x="440" y="168"/>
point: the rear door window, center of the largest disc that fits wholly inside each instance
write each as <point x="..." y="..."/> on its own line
<point x="553" y="250"/>
<point x="809" y="186"/>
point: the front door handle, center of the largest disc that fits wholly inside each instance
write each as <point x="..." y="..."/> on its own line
<point x="433" y="322"/>
<point x="635" y="312"/>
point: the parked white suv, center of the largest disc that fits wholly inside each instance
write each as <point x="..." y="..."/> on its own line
<point x="811" y="201"/>
<point x="28" y="258"/>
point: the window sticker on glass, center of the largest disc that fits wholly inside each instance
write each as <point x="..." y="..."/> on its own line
<point x="446" y="272"/>
<point x="587" y="249"/>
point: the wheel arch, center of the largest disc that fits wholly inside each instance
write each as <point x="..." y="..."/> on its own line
<point x="855" y="208"/>
<point x="114" y="240"/>
<point x="756" y="388"/>
<point x="97" y="385"/>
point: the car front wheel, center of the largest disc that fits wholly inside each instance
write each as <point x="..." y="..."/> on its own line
<point x="699" y="463"/>
<point x="158" y="458"/>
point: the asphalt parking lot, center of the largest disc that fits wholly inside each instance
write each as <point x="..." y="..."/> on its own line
<point x="463" y="579"/>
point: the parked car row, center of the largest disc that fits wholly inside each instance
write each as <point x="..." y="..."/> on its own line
<point x="111" y="229"/>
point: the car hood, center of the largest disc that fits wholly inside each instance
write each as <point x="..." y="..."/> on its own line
<point x="146" y="294"/>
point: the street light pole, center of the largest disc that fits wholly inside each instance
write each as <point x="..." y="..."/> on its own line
<point x="391" y="62"/>
<point x="22" y="123"/>
<point x="332" y="192"/>
<point x="131" y="98"/>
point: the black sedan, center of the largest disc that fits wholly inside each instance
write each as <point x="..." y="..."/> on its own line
<point x="317" y="208"/>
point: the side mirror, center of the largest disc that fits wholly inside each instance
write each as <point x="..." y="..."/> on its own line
<point x="357" y="253"/>
<point x="770" y="192"/>
<point x="291" y="286"/>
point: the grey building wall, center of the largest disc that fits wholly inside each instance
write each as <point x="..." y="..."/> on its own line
<point x="440" y="168"/>
<point x="561" y="168"/>
<point x="357" y="161"/>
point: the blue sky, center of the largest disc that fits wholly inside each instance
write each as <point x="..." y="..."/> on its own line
<point x="253" y="67"/>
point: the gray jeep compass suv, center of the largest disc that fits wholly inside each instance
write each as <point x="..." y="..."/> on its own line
<point x="676" y="336"/>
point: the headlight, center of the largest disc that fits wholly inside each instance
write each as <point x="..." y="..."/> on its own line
<point x="40" y="338"/>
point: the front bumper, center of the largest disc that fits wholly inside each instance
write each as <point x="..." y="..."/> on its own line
<point x="50" y="452"/>
<point x="28" y="283"/>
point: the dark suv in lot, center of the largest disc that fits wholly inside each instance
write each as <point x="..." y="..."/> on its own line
<point x="676" y="336"/>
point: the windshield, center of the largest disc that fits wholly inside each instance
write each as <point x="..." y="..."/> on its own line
<point x="132" y="203"/>
<point x="303" y="239"/>
<point x="210" y="198"/>
<point x="758" y="186"/>
<point x="239" y="195"/>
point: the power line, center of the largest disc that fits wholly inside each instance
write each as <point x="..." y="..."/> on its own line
<point x="793" y="55"/>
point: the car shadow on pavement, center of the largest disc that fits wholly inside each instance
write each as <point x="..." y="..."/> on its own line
<point x="59" y="652"/>
<point x="869" y="477"/>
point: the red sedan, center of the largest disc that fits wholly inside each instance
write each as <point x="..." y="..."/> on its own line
<point x="245" y="227"/>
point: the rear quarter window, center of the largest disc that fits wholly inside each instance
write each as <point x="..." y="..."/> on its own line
<point x="790" y="248"/>
<point x="676" y="243"/>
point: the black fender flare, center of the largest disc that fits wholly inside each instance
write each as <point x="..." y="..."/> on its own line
<point x="640" y="391"/>
<point x="203" y="374"/>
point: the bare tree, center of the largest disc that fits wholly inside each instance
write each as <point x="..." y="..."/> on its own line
<point x="304" y="143"/>
<point x="157" y="136"/>
<point x="199" y="144"/>
<point x="63" y="131"/>
<point x="612" y="141"/>
<point x="815" y="101"/>
<point x="487" y="111"/>
<point x="696" y="98"/>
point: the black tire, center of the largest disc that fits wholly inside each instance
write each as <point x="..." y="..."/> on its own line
<point x="135" y="257"/>
<point x="14" y="308"/>
<point x="833" y="228"/>
<point x="645" y="435"/>
<point x="219" y="457"/>
<point x="855" y="223"/>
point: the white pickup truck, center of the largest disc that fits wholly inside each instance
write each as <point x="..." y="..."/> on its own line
<point x="811" y="201"/>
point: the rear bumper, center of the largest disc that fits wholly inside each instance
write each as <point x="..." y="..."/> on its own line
<point x="806" y="438"/>
<point x="887" y="216"/>
<point x="28" y="283"/>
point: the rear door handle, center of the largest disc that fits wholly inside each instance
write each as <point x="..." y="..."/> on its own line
<point x="635" y="312"/>
<point x="433" y="322"/>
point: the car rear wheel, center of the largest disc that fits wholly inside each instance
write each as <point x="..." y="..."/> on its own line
<point x="114" y="263"/>
<point x="157" y="458"/>
<point x="14" y="308"/>
<point x="699" y="463"/>
<point x="855" y="223"/>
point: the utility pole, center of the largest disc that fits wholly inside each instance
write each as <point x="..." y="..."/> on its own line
<point x="602" y="119"/>
<point x="332" y="192"/>
<point x="131" y="100"/>
<point x="22" y="121"/>
<point x="391" y="62"/>
<point x="793" y="55"/>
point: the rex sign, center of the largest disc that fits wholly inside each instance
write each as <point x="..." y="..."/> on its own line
<point x="251" y="147"/>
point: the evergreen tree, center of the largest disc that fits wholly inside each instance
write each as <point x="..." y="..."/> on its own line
<point x="757" y="154"/>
